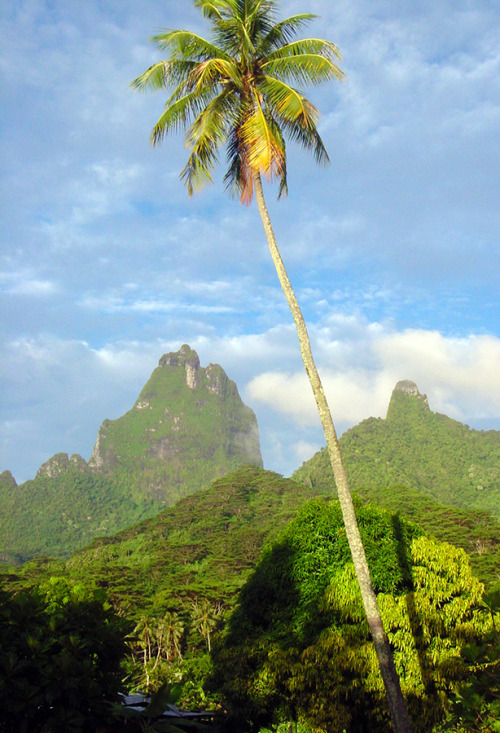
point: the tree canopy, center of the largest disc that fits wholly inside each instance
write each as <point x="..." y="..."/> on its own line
<point x="298" y="646"/>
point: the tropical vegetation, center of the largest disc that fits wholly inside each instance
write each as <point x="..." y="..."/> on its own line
<point x="297" y="646"/>
<point x="278" y="602"/>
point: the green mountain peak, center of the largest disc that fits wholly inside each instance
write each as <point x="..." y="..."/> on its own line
<point x="417" y="448"/>
<point x="187" y="427"/>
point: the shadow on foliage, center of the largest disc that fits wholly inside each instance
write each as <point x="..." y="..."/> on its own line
<point x="274" y="662"/>
<point x="60" y="654"/>
<point x="405" y="565"/>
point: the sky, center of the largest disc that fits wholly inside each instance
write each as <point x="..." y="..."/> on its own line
<point x="106" y="263"/>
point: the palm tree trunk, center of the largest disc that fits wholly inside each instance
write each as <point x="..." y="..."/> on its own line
<point x="397" y="706"/>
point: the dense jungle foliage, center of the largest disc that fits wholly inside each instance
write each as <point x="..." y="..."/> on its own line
<point x="55" y="515"/>
<point x="298" y="647"/>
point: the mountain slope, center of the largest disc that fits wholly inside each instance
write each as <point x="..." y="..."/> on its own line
<point x="207" y="543"/>
<point x="418" y="448"/>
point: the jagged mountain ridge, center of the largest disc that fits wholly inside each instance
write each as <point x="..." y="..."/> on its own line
<point x="416" y="447"/>
<point x="188" y="427"/>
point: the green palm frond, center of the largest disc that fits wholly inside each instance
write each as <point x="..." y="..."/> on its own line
<point x="305" y="68"/>
<point x="213" y="72"/>
<point x="188" y="45"/>
<point x="307" y="138"/>
<point x="297" y="115"/>
<point x="289" y="103"/>
<point x="163" y="75"/>
<point x="214" y="9"/>
<point x="205" y="136"/>
<point x="306" y="46"/>
<point x="283" y="32"/>
<point x="178" y="114"/>
<point x="211" y="8"/>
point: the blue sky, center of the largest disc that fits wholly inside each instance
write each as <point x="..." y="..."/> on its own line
<point x="106" y="264"/>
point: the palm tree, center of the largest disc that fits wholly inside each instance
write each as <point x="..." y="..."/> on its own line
<point x="204" y="617"/>
<point x="237" y="90"/>
<point x="173" y="629"/>
<point x="144" y="634"/>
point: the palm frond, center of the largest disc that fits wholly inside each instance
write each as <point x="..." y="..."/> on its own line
<point x="234" y="175"/>
<point x="163" y="74"/>
<point x="289" y="103"/>
<point x="188" y="45"/>
<point x="205" y="136"/>
<point x="212" y="9"/>
<point x="296" y="115"/>
<point x="213" y="72"/>
<point x="307" y="138"/>
<point x="178" y="114"/>
<point x="305" y="68"/>
<point x="259" y="17"/>
<point x="306" y="46"/>
<point x="283" y="32"/>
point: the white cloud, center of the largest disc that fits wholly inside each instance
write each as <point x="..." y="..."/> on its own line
<point x="460" y="376"/>
<point x="27" y="283"/>
<point x="59" y="391"/>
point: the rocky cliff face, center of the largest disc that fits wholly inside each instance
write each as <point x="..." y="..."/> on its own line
<point x="60" y="463"/>
<point x="187" y="427"/>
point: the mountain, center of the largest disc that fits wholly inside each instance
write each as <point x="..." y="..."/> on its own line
<point x="419" y="449"/>
<point x="187" y="427"/>
<point x="207" y="543"/>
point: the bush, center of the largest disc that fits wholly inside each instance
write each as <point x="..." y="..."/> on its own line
<point x="61" y="646"/>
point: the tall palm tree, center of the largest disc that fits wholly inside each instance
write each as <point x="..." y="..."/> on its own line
<point x="204" y="617"/>
<point x="173" y="629"/>
<point x="237" y="90"/>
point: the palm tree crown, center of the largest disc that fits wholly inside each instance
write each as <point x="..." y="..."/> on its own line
<point x="236" y="91"/>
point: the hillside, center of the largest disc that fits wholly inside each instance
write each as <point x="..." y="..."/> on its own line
<point x="208" y="543"/>
<point x="191" y="561"/>
<point x="187" y="427"/>
<point x="420" y="449"/>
